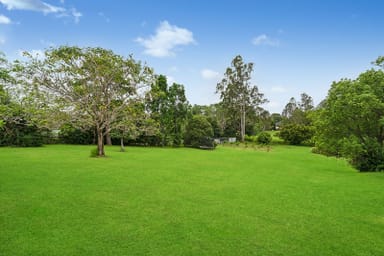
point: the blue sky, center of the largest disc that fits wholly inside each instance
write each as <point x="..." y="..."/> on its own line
<point x="296" y="46"/>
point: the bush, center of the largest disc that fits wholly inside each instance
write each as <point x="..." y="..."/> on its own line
<point x="72" y="135"/>
<point x="250" y="138"/>
<point x="296" y="134"/>
<point x="31" y="140"/>
<point x="16" y="131"/>
<point x="264" y="138"/>
<point x="199" y="133"/>
<point x="366" y="157"/>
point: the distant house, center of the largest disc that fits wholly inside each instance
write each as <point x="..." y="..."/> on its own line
<point x="225" y="139"/>
<point x="232" y="139"/>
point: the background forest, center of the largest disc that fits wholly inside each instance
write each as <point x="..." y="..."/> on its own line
<point x="76" y="95"/>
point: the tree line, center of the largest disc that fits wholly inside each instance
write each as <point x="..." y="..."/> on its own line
<point x="93" y="96"/>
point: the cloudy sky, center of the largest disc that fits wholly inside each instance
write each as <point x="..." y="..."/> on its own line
<point x="297" y="46"/>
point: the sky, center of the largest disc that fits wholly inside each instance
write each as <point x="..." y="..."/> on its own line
<point x="296" y="46"/>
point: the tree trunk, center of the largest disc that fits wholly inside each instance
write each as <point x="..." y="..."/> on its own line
<point x="122" y="145"/>
<point x="242" y="123"/>
<point x="108" y="140"/>
<point x="100" y="143"/>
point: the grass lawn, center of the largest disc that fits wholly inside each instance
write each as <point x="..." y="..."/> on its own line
<point x="56" y="200"/>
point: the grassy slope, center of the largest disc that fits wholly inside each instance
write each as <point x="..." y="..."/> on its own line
<point x="151" y="201"/>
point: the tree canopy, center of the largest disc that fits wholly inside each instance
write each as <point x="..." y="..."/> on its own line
<point x="169" y="107"/>
<point x="91" y="93"/>
<point x="238" y="96"/>
<point x="350" y="122"/>
<point x="91" y="84"/>
<point x="199" y="133"/>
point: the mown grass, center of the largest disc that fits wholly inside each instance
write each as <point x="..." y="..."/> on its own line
<point x="56" y="200"/>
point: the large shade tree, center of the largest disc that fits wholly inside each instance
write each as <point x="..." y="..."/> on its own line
<point x="93" y="85"/>
<point x="350" y="122"/>
<point x="238" y="96"/>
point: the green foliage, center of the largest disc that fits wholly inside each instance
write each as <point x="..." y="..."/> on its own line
<point x="276" y="119"/>
<point x="17" y="126"/>
<point x="364" y="157"/>
<point x="5" y="71"/>
<point x="250" y="138"/>
<point x="199" y="133"/>
<point x="16" y="131"/>
<point x="264" y="138"/>
<point x="379" y="62"/>
<point x="70" y="134"/>
<point x="95" y="84"/>
<point x="168" y="106"/>
<point x="349" y="123"/>
<point x="298" y="112"/>
<point x="290" y="108"/>
<point x="178" y="110"/>
<point x="135" y="126"/>
<point x="238" y="97"/>
<point x="296" y="134"/>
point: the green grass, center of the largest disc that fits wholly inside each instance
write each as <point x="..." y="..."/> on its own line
<point x="56" y="200"/>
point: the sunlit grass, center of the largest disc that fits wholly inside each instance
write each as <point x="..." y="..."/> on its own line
<point x="56" y="200"/>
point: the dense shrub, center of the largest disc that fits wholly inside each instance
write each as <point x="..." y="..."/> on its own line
<point x="296" y="134"/>
<point x="364" y="157"/>
<point x="199" y="133"/>
<point x="250" y="138"/>
<point x="264" y="138"/>
<point x="72" y="135"/>
<point x="16" y="131"/>
<point x="349" y="122"/>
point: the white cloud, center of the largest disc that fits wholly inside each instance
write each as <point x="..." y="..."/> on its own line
<point x="31" y="5"/>
<point x="76" y="15"/>
<point x="40" y="6"/>
<point x="209" y="74"/>
<point x="101" y="14"/>
<point x="278" y="89"/>
<point x="265" y="40"/>
<point x="2" y="40"/>
<point x="166" y="39"/>
<point x="4" y="19"/>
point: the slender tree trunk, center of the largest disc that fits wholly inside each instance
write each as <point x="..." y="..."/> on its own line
<point x="242" y="123"/>
<point x="122" y="144"/>
<point x="100" y="143"/>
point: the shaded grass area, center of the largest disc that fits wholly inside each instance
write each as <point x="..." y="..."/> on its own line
<point x="56" y="200"/>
